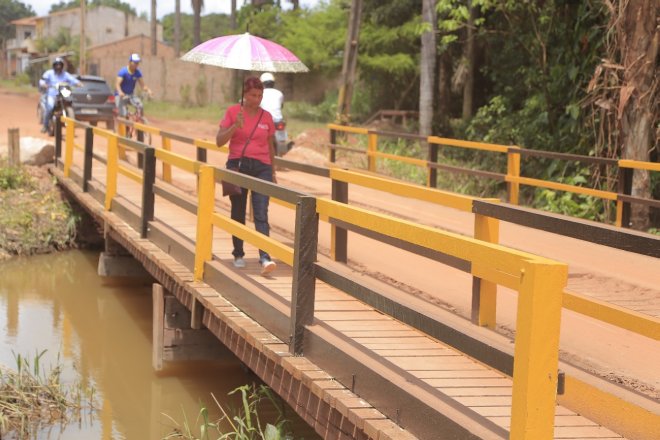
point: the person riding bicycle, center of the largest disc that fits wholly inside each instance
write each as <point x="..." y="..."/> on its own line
<point x="48" y="83"/>
<point x="127" y="77"/>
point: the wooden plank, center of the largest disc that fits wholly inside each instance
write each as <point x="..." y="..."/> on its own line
<point x="624" y="239"/>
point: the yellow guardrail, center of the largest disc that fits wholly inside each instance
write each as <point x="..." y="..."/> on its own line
<point x="512" y="177"/>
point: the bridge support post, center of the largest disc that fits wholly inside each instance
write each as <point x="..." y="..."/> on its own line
<point x="58" y="140"/>
<point x="148" y="197"/>
<point x="87" y="165"/>
<point x="116" y="261"/>
<point x="304" y="278"/>
<point x="339" y="236"/>
<point x="173" y="337"/>
<point x="536" y="353"/>
<point x="484" y="293"/>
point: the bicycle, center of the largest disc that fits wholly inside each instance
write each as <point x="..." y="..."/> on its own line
<point x="135" y="114"/>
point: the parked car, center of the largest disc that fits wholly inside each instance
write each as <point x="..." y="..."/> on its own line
<point x="94" y="101"/>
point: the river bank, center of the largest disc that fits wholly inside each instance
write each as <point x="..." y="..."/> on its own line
<point x="35" y="218"/>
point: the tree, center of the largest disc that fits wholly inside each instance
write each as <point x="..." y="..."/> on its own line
<point x="197" y="6"/>
<point x="427" y="68"/>
<point x="11" y="10"/>
<point x="349" y="66"/>
<point x="177" y="27"/>
<point x="638" y="40"/>
<point x="470" y="62"/>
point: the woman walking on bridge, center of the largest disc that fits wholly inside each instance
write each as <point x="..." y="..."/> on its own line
<point x="250" y="132"/>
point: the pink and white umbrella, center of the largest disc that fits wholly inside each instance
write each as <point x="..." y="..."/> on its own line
<point x="245" y="52"/>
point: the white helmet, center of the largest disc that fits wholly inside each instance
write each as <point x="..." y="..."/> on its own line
<point x="265" y="77"/>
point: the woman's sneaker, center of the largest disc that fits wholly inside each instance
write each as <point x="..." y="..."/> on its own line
<point x="267" y="266"/>
<point x="239" y="263"/>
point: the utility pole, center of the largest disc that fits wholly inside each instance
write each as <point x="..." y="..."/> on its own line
<point x="350" y="63"/>
<point x="82" y="62"/>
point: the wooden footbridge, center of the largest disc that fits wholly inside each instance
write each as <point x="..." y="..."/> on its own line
<point x="352" y="355"/>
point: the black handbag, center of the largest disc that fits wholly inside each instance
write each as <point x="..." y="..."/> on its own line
<point x="231" y="189"/>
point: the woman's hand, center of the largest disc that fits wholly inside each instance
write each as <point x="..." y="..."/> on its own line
<point x="240" y="120"/>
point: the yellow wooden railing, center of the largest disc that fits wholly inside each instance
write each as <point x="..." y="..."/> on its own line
<point x="513" y="175"/>
<point x="539" y="282"/>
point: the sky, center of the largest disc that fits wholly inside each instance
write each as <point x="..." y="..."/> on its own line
<point x="41" y="7"/>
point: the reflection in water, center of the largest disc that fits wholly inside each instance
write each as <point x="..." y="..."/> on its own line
<point x="101" y="330"/>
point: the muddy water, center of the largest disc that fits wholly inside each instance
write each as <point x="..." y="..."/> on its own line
<point x="100" y="330"/>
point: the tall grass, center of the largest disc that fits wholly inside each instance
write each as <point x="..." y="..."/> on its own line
<point x="32" y="398"/>
<point x="243" y="423"/>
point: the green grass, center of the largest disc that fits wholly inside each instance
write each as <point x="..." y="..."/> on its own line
<point x="32" y="398"/>
<point x="34" y="218"/>
<point x="169" y="110"/>
<point x="242" y="423"/>
<point x="17" y="87"/>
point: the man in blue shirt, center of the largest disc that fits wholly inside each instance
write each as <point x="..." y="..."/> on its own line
<point x="127" y="77"/>
<point x="48" y="82"/>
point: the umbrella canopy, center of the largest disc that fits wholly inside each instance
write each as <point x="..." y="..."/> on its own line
<point x="245" y="52"/>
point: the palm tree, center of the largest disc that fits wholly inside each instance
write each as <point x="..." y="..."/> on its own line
<point x="197" y="6"/>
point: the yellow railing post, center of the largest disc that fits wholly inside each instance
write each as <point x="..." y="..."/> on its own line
<point x="206" y="202"/>
<point x="513" y="170"/>
<point x="121" y="130"/>
<point x="68" y="154"/>
<point x="167" y="168"/>
<point x="485" y="294"/>
<point x="536" y="353"/>
<point x="372" y="147"/>
<point x="112" y="170"/>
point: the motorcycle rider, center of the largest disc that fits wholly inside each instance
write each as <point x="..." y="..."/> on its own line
<point x="48" y="83"/>
<point x="127" y="77"/>
<point x="272" y="102"/>
<point x="273" y="99"/>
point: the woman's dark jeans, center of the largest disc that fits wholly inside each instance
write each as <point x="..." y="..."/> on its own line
<point x="260" y="170"/>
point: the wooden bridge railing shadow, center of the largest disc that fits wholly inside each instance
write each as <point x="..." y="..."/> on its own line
<point x="538" y="281"/>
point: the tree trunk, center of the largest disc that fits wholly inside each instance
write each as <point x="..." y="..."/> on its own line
<point x="177" y="27"/>
<point x="427" y="69"/>
<point x="349" y="66"/>
<point x="444" y="91"/>
<point x="197" y="21"/>
<point x="295" y="3"/>
<point x="233" y="14"/>
<point x="154" y="29"/>
<point x="468" y="88"/>
<point x="639" y="39"/>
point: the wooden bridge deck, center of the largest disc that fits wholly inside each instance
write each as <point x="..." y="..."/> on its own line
<point x="428" y="369"/>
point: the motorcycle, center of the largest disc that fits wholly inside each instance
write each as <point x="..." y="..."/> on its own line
<point x="282" y="143"/>
<point x="63" y="106"/>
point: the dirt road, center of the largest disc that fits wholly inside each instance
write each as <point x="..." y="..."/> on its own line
<point x="628" y="279"/>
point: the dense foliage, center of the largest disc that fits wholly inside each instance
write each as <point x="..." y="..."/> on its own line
<point x="213" y="26"/>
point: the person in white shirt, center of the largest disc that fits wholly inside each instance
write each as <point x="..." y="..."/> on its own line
<point x="273" y="99"/>
<point x="272" y="102"/>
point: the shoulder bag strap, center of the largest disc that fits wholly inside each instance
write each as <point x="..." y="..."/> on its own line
<point x="250" y="137"/>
